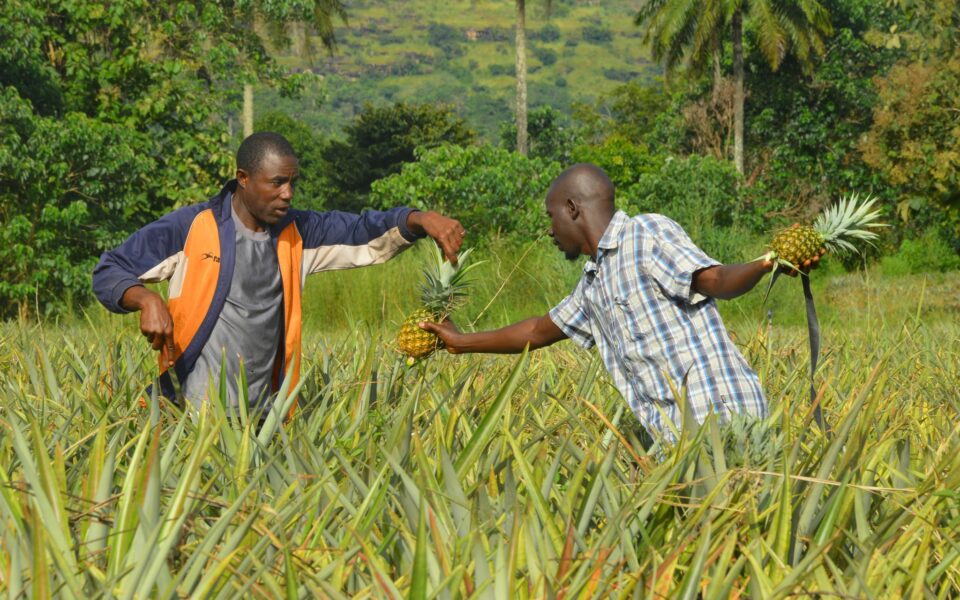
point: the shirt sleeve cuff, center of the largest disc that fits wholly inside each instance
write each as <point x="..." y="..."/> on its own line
<point x="575" y="335"/>
<point x="119" y="290"/>
<point x="404" y="230"/>
<point x="694" y="297"/>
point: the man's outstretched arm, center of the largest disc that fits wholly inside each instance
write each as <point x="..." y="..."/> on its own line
<point x="729" y="281"/>
<point x="536" y="332"/>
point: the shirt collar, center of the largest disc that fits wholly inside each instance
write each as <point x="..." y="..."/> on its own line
<point x="609" y="240"/>
<point x="611" y="236"/>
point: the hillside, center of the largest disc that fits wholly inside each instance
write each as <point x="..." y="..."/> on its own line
<point x="462" y="51"/>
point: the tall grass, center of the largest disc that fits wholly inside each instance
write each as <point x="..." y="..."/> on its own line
<point x="482" y="476"/>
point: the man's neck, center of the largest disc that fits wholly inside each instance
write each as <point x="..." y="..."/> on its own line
<point x="595" y="231"/>
<point x="247" y="219"/>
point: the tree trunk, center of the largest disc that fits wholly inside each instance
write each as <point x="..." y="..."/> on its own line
<point x="738" y="97"/>
<point x="247" y="110"/>
<point x="717" y="74"/>
<point x="521" y="77"/>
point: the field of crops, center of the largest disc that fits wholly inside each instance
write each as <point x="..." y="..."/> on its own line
<point x="488" y="476"/>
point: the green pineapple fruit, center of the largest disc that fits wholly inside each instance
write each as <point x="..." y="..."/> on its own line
<point x="443" y="290"/>
<point x="835" y="229"/>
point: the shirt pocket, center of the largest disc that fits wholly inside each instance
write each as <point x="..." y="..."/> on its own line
<point x="651" y="348"/>
<point x="632" y="320"/>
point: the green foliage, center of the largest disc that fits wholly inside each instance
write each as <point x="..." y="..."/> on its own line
<point x="514" y="279"/>
<point x="548" y="33"/>
<point x="927" y="254"/>
<point x="313" y="188"/>
<point x="69" y="189"/>
<point x="387" y="55"/>
<point x="490" y="190"/>
<point x="805" y="132"/>
<point x="380" y="141"/>
<point x="596" y="34"/>
<point x="693" y="30"/>
<point x="472" y="473"/>
<point x="624" y="161"/>
<point x="924" y="28"/>
<point x="547" y="56"/>
<point x="501" y="70"/>
<point x="549" y="135"/>
<point x="914" y="141"/>
<point x="637" y="112"/>
<point x="702" y="195"/>
<point x="447" y="38"/>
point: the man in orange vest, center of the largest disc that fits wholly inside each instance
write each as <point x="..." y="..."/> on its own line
<point x="236" y="266"/>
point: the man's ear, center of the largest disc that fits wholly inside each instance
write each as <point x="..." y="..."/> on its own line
<point x="573" y="209"/>
<point x="242" y="177"/>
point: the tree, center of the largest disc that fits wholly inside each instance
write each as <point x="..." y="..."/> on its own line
<point x="914" y="139"/>
<point x="549" y="135"/>
<point x="380" y="140"/>
<point x="694" y="29"/>
<point x="491" y="190"/>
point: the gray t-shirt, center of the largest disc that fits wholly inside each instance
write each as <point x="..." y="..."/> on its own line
<point x="249" y="325"/>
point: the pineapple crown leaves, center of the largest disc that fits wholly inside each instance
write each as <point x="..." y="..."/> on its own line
<point x="444" y="288"/>
<point x="847" y="220"/>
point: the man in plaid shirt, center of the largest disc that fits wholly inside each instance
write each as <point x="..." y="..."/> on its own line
<point x="646" y="299"/>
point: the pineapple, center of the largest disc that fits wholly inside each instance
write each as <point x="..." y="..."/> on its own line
<point x="443" y="290"/>
<point x="835" y="229"/>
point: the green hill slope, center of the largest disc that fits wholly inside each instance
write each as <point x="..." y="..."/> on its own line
<point x="462" y="52"/>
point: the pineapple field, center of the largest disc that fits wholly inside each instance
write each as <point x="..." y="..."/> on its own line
<point x="491" y="476"/>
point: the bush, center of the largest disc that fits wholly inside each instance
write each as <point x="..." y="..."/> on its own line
<point x="597" y="34"/>
<point x="620" y="74"/>
<point x="445" y="37"/>
<point x="928" y="254"/>
<point x="702" y="195"/>
<point x="623" y="160"/>
<point x="547" y="33"/>
<point x="545" y="55"/>
<point x="492" y="191"/>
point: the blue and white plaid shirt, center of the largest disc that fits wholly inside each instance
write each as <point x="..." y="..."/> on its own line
<point x="635" y="301"/>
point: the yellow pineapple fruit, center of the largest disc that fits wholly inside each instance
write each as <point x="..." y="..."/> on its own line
<point x="835" y="229"/>
<point x="443" y="290"/>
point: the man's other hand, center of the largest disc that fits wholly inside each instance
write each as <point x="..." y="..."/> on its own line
<point x="447" y="232"/>
<point x="156" y="323"/>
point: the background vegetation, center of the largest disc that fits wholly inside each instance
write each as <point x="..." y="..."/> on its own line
<point x="114" y="114"/>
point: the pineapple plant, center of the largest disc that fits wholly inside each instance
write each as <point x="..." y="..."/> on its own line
<point x="835" y="229"/>
<point x="444" y="289"/>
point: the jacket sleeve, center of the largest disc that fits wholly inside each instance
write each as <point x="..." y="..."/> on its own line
<point x="149" y="255"/>
<point x="339" y="240"/>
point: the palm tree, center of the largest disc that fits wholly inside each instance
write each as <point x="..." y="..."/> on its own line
<point x="694" y="29"/>
<point x="521" y="68"/>
<point x="287" y="22"/>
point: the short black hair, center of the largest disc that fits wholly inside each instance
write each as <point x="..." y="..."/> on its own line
<point x="256" y="147"/>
